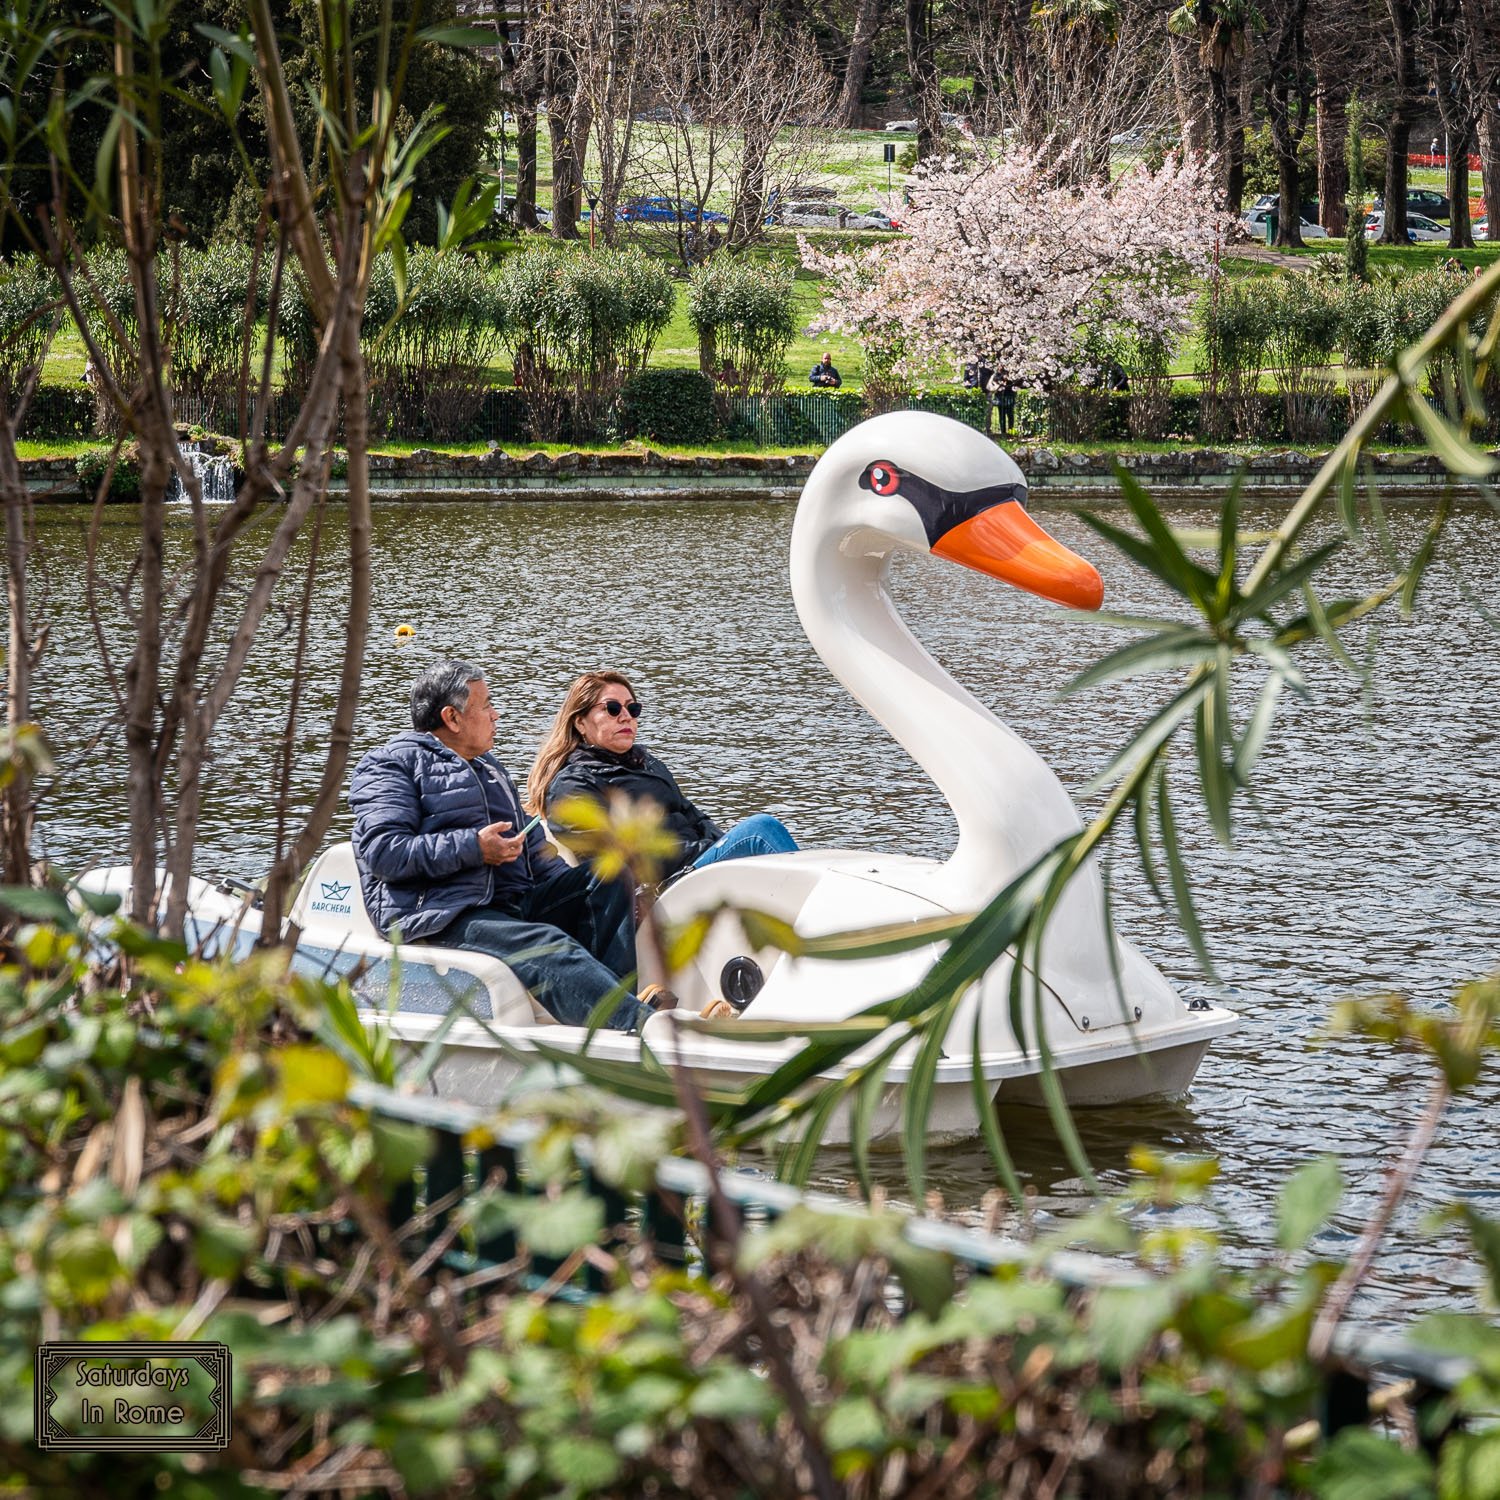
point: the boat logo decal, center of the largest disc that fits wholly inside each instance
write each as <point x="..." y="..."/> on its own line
<point x="333" y="891"/>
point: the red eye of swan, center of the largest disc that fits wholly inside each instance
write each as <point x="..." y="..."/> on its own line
<point x="885" y="478"/>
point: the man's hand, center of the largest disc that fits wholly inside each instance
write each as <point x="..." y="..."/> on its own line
<point x="496" y="848"/>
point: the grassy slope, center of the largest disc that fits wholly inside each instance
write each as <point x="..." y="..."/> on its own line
<point x="851" y="163"/>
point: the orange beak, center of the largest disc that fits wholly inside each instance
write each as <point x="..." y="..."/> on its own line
<point x="1006" y="543"/>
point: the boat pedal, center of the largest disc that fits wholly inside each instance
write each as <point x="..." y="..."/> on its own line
<point x="740" y="981"/>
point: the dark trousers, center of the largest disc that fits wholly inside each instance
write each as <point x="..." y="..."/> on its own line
<point x="570" y="939"/>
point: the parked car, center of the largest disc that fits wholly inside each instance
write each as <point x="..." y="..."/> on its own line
<point x="1423" y="201"/>
<point x="506" y="213"/>
<point x="667" y="211"/>
<point x="1273" y="200"/>
<point x="947" y="119"/>
<point x="825" y="214"/>
<point x="1419" y="228"/>
<point x="1255" y="224"/>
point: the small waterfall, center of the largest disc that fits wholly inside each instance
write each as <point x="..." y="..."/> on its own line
<point x="215" y="473"/>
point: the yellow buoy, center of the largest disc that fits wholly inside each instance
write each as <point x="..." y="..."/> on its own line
<point x="403" y="631"/>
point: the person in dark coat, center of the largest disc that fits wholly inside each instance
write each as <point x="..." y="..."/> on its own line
<point x="592" y="752"/>
<point x="824" y="374"/>
<point x="443" y="858"/>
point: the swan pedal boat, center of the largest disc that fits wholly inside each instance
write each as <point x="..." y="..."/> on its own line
<point x="1114" y="1028"/>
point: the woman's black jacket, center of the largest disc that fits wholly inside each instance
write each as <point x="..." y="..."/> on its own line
<point x="592" y="772"/>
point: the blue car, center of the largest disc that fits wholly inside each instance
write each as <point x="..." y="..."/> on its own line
<point x="667" y="211"/>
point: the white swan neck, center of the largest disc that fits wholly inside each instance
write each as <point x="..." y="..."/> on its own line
<point x="1009" y="806"/>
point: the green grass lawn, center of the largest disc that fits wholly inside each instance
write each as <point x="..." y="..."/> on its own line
<point x="850" y="162"/>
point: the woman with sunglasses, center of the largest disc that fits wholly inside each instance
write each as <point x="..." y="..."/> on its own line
<point x="591" y="751"/>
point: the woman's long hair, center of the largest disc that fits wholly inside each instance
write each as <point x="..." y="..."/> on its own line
<point x="563" y="738"/>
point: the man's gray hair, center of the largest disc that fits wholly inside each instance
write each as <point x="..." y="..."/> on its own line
<point x="444" y="686"/>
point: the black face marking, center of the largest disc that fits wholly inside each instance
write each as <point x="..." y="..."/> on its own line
<point x="941" y="510"/>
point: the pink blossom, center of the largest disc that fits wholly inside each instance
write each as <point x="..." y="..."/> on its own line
<point x="1004" y="263"/>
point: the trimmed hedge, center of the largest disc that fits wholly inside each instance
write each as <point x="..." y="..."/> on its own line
<point x="60" y="411"/>
<point x="672" y="406"/>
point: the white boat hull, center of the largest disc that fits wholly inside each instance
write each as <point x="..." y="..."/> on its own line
<point x="502" y="1034"/>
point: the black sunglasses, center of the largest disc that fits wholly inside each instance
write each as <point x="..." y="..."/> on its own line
<point x="612" y="707"/>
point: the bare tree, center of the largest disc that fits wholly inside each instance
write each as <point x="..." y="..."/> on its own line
<point x="31" y="317"/>
<point x="193" y="620"/>
<point x="1451" y="52"/>
<point x="1190" y="94"/>
<point x="1288" y="104"/>
<point x="1062" y="79"/>
<point x="736" y="107"/>
<point x="867" y="18"/>
<point x="31" y="322"/>
<point x="921" y="65"/>
<point x="1405" y="99"/>
<point x="1333" y="42"/>
<point x="1222" y="28"/>
<point x="1482" y="18"/>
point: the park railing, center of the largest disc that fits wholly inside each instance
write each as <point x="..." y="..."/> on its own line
<point x="813" y="419"/>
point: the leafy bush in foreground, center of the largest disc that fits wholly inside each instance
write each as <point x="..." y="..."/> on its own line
<point x="180" y="1157"/>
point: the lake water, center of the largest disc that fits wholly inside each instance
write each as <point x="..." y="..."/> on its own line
<point x="1368" y="863"/>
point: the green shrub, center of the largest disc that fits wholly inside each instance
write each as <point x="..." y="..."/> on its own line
<point x="578" y="325"/>
<point x="60" y="411"/>
<point x="429" y="367"/>
<point x="30" y="311"/>
<point x="213" y="294"/>
<point x="672" y="406"/>
<point x="745" y="320"/>
<point x="1234" y="325"/>
<point x="1261" y="172"/>
<point x="125" y="483"/>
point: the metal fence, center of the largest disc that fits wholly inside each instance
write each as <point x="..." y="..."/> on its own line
<point x="1366" y="1360"/>
<point x="806" y="419"/>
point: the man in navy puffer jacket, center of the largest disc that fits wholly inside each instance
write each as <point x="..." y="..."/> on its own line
<point x="433" y="814"/>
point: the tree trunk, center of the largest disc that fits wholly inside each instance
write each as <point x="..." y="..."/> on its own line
<point x="866" y="24"/>
<point x="1333" y="171"/>
<point x="354" y="383"/>
<point x="1289" y="82"/>
<point x="15" y="856"/>
<point x="1460" y="227"/>
<point x="921" y="61"/>
<point x="1234" y="157"/>
<point x="1190" y="95"/>
<point x="1398" y="131"/>
<point x="526" y="168"/>
<point x="1489" y="167"/>
<point x="567" y="177"/>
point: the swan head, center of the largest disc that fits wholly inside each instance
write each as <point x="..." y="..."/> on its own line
<point x="924" y="483"/>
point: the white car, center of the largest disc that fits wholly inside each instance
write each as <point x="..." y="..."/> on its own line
<point x="1255" y="224"/>
<point x="1419" y="228"/>
<point x="825" y="215"/>
<point x="947" y="120"/>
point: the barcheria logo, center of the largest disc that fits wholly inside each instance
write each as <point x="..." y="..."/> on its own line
<point x="115" y="1397"/>
<point x="333" y="891"/>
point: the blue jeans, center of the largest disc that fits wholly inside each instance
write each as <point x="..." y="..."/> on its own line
<point x="569" y="940"/>
<point x="761" y="834"/>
